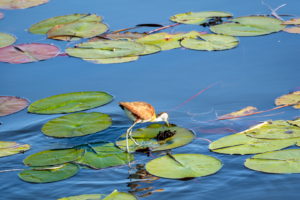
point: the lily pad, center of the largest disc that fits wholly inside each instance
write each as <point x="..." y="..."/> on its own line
<point x="70" y="102"/>
<point x="240" y="113"/>
<point x="48" y="176"/>
<point x="291" y="98"/>
<point x="115" y="195"/>
<point x="167" y="41"/>
<point x="117" y="36"/>
<point x="66" y="38"/>
<point x="292" y="21"/>
<point x="106" y="49"/>
<point x="78" y="124"/>
<point x="10" y="105"/>
<point x="249" y="26"/>
<point x="185" y="166"/>
<point x="53" y="157"/>
<point x="150" y="49"/>
<point x="295" y="29"/>
<point x="198" y="17"/>
<point x="211" y="42"/>
<point x="1" y="15"/>
<point x="11" y="148"/>
<point x="146" y="137"/>
<point x="44" y="26"/>
<point x="26" y="53"/>
<point x="6" y="39"/>
<point x="17" y="4"/>
<point x="86" y="197"/>
<point x="103" y="154"/>
<point x="275" y="130"/>
<point x="242" y="144"/>
<point x="278" y="162"/>
<point x="294" y="122"/>
<point x="113" y="60"/>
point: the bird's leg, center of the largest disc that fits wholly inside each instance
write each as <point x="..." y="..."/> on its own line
<point x="133" y="139"/>
<point x="129" y="133"/>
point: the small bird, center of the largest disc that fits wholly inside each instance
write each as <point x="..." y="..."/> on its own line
<point x="141" y="112"/>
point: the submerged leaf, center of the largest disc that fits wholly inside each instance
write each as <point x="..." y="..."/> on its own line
<point x="210" y="42"/>
<point x="292" y="21"/>
<point x="185" y="166"/>
<point x="115" y="195"/>
<point x="146" y="138"/>
<point x="53" y="157"/>
<point x="279" y="162"/>
<point x="295" y="29"/>
<point x="11" y="148"/>
<point x="291" y="98"/>
<point x="17" y="4"/>
<point x="240" y="113"/>
<point x="86" y="197"/>
<point x="198" y="17"/>
<point x="48" y="176"/>
<point x="25" y="53"/>
<point x="249" y="26"/>
<point x="78" y="124"/>
<point x="112" y="60"/>
<point x="70" y="102"/>
<point x="1" y="15"/>
<point x="6" y="39"/>
<point x="10" y="105"/>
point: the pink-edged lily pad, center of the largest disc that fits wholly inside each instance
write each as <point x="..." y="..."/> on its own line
<point x="10" y="105"/>
<point x="20" y="4"/>
<point x="25" y="53"/>
<point x="1" y="15"/>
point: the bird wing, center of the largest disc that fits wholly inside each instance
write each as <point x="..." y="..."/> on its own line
<point x="143" y="110"/>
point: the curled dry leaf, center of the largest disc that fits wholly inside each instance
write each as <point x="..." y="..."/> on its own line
<point x="17" y="4"/>
<point x="10" y="105"/>
<point x="25" y="53"/>
<point x="240" y="113"/>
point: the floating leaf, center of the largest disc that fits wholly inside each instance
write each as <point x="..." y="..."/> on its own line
<point x="150" y="49"/>
<point x="10" y="105"/>
<point x="17" y="4"/>
<point x="11" y="148"/>
<point x="292" y="21"/>
<point x="86" y="197"/>
<point x="249" y="26"/>
<point x="242" y="144"/>
<point x="275" y="130"/>
<point x="6" y="39"/>
<point x="48" y="176"/>
<point x="240" y="113"/>
<point x="291" y="98"/>
<point x="66" y="38"/>
<point x="185" y="166"/>
<point x="44" y="26"/>
<point x="70" y="102"/>
<point x="53" y="157"/>
<point x="103" y="154"/>
<point x="113" y="60"/>
<point x="25" y="53"/>
<point x="295" y="29"/>
<point x="115" y="195"/>
<point x="106" y="49"/>
<point x="167" y="41"/>
<point x="126" y="35"/>
<point x="278" y="162"/>
<point x="198" y="17"/>
<point x="1" y="15"/>
<point x="78" y="124"/>
<point x="210" y="42"/>
<point x="146" y="137"/>
<point x="294" y="122"/>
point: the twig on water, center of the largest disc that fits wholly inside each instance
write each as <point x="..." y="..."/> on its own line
<point x="11" y="170"/>
<point x="274" y="11"/>
<point x="162" y="28"/>
<point x="204" y="139"/>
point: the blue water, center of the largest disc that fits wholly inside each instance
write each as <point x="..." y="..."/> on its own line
<point x="253" y="74"/>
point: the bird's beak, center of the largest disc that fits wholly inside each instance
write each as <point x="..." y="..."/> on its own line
<point x="168" y="124"/>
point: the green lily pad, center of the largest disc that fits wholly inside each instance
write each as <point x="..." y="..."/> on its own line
<point x="150" y="49"/>
<point x="278" y="162"/>
<point x="146" y="137"/>
<point x="275" y="130"/>
<point x="291" y="98"/>
<point x="242" y="144"/>
<point x="113" y="60"/>
<point x="48" y="176"/>
<point x="70" y="102"/>
<point x="44" y="26"/>
<point x="17" y="4"/>
<point x="167" y="41"/>
<point x="117" y="36"/>
<point x="211" y="42"/>
<point x="11" y="148"/>
<point x="294" y="122"/>
<point x="103" y="154"/>
<point x="185" y="166"/>
<point x="106" y="49"/>
<point x="115" y="195"/>
<point x="86" y="197"/>
<point x="249" y="26"/>
<point x="77" y="124"/>
<point x="6" y="39"/>
<point x="198" y="17"/>
<point x="53" y="157"/>
<point x="10" y="105"/>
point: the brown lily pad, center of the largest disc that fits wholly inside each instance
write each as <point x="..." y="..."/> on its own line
<point x="25" y="53"/>
<point x="292" y="21"/>
<point x="20" y="4"/>
<point x="10" y="105"/>
<point x="295" y="29"/>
